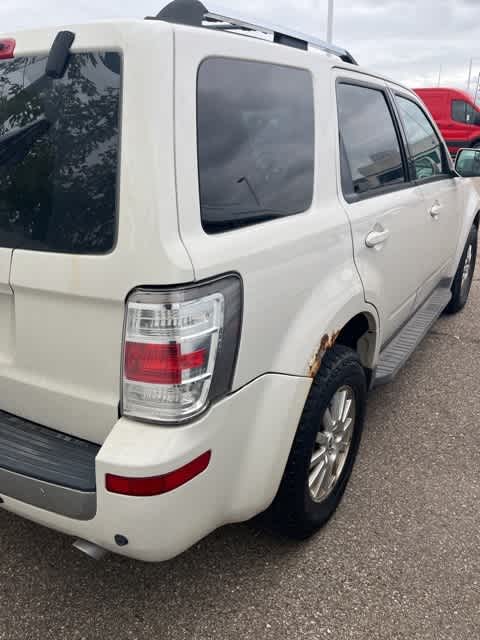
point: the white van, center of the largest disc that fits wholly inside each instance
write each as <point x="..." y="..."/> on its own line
<point x="212" y="244"/>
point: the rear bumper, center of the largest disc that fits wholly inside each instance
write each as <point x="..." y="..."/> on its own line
<point x="46" y="468"/>
<point x="249" y="433"/>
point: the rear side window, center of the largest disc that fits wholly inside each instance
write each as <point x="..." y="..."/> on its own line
<point x="465" y="113"/>
<point x="255" y="142"/>
<point x="59" y="154"/>
<point x="425" y="147"/>
<point x="370" y="143"/>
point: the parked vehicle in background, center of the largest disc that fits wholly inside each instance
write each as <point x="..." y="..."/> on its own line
<point x="203" y="270"/>
<point x="456" y="115"/>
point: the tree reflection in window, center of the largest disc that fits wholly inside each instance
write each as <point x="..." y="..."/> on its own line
<point x="58" y="154"/>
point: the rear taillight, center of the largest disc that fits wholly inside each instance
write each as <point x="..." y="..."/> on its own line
<point x="179" y="349"/>
<point x="7" y="48"/>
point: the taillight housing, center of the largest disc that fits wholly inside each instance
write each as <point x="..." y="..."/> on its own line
<point x="180" y="347"/>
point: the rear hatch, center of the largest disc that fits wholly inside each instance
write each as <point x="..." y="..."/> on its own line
<point x="70" y="251"/>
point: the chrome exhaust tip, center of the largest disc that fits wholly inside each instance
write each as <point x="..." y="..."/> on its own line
<point x="90" y="549"/>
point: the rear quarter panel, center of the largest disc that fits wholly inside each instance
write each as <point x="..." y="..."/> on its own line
<point x="300" y="281"/>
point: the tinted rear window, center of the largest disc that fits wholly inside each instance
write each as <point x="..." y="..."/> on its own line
<point x="59" y="154"/>
<point x="255" y="142"/>
<point x="370" y="141"/>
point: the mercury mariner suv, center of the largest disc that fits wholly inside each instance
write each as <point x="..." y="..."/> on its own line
<point x="215" y="238"/>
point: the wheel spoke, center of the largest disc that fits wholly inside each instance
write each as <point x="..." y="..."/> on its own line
<point x="329" y="473"/>
<point x="317" y="486"/>
<point x="316" y="477"/>
<point x="317" y="457"/>
<point x="338" y="404"/>
<point x="347" y="409"/>
<point x="347" y="427"/>
<point x="328" y="423"/>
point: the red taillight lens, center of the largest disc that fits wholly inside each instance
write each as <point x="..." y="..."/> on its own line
<point x="160" y="363"/>
<point x="7" y="48"/>
<point x="179" y="349"/>
<point x="156" y="485"/>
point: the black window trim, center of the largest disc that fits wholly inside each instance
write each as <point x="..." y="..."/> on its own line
<point x="345" y="171"/>
<point x="445" y="175"/>
<point x="294" y="215"/>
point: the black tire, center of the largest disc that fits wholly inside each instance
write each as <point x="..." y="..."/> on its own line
<point x="461" y="291"/>
<point x="294" y="512"/>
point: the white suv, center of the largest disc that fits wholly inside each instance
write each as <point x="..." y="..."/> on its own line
<point x="211" y="246"/>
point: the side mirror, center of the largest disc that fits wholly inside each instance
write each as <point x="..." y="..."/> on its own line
<point x="467" y="163"/>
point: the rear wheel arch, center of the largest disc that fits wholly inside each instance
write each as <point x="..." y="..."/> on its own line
<point x="359" y="333"/>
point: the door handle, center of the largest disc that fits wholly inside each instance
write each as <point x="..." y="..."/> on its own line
<point x="376" y="237"/>
<point x="435" y="210"/>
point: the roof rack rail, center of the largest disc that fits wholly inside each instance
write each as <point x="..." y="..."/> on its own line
<point x="194" y="13"/>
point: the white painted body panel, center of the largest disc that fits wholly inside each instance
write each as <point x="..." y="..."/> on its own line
<point x="470" y="200"/>
<point x="304" y="277"/>
<point x="442" y="230"/>
<point x="6" y="307"/>
<point x="391" y="271"/>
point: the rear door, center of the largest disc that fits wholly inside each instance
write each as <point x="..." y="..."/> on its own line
<point x="389" y="222"/>
<point x="439" y="187"/>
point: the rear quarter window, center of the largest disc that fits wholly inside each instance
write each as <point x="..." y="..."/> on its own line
<point x="59" y="154"/>
<point x="255" y="142"/>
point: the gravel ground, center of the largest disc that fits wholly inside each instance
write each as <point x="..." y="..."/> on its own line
<point x="400" y="560"/>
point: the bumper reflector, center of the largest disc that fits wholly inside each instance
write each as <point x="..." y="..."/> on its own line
<point x="156" y="485"/>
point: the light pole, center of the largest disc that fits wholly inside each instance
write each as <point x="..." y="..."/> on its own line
<point x="470" y="72"/>
<point x="330" y="22"/>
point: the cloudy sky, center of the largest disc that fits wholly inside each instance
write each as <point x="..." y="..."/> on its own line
<point x="410" y="40"/>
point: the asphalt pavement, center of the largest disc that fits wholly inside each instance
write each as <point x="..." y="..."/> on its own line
<point x="400" y="559"/>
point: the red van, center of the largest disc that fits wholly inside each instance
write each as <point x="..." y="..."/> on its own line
<point x="456" y="115"/>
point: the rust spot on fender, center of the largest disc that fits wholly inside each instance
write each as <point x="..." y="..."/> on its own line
<point x="326" y="343"/>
